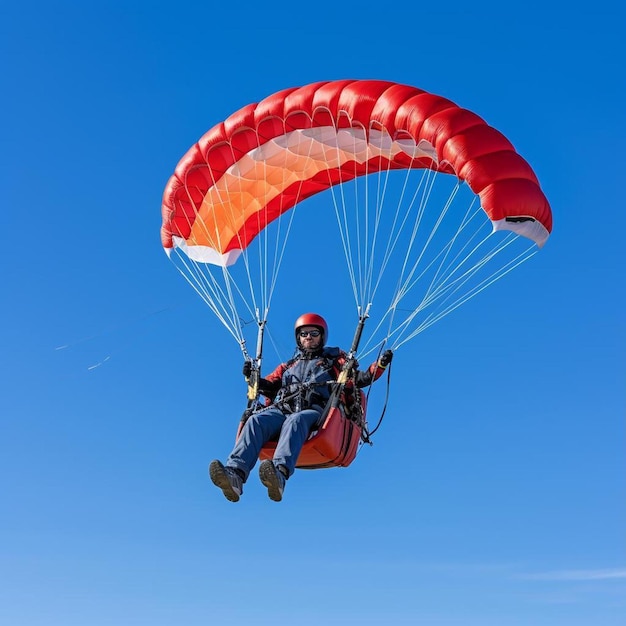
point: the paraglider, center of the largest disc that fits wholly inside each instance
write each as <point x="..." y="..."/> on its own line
<point x="313" y="418"/>
<point x="431" y="205"/>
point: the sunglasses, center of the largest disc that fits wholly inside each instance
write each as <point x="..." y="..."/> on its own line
<point x="312" y="333"/>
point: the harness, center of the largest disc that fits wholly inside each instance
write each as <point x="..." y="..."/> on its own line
<point x="323" y="391"/>
<point x="306" y="382"/>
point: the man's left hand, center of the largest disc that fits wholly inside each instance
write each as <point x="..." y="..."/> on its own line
<point x="385" y="359"/>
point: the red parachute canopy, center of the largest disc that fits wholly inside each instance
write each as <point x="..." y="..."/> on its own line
<point x="266" y="157"/>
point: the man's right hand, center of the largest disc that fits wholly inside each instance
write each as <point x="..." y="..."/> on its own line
<point x="247" y="369"/>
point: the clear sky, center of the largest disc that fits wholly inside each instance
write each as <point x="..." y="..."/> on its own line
<point x="494" y="494"/>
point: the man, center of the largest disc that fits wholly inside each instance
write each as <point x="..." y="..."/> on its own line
<point x="300" y="390"/>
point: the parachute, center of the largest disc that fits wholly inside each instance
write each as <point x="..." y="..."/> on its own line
<point x="431" y="206"/>
<point x="230" y="205"/>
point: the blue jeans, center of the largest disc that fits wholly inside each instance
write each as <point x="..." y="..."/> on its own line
<point x="292" y="430"/>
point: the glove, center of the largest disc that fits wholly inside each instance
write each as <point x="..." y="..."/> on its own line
<point x="247" y="369"/>
<point x="385" y="359"/>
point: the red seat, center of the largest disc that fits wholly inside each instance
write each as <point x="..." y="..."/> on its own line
<point x="335" y="444"/>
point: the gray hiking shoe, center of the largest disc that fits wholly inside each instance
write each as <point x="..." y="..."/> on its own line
<point x="227" y="479"/>
<point x="273" y="479"/>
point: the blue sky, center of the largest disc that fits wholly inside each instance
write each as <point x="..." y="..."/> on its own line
<point x="495" y="491"/>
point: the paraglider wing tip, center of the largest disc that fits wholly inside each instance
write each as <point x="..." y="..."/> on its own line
<point x="205" y="254"/>
<point x="526" y="226"/>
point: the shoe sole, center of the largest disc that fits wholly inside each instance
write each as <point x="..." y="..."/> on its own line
<point x="267" y="474"/>
<point x="220" y="479"/>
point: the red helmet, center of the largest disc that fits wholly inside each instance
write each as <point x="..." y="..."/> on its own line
<point x="312" y="319"/>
